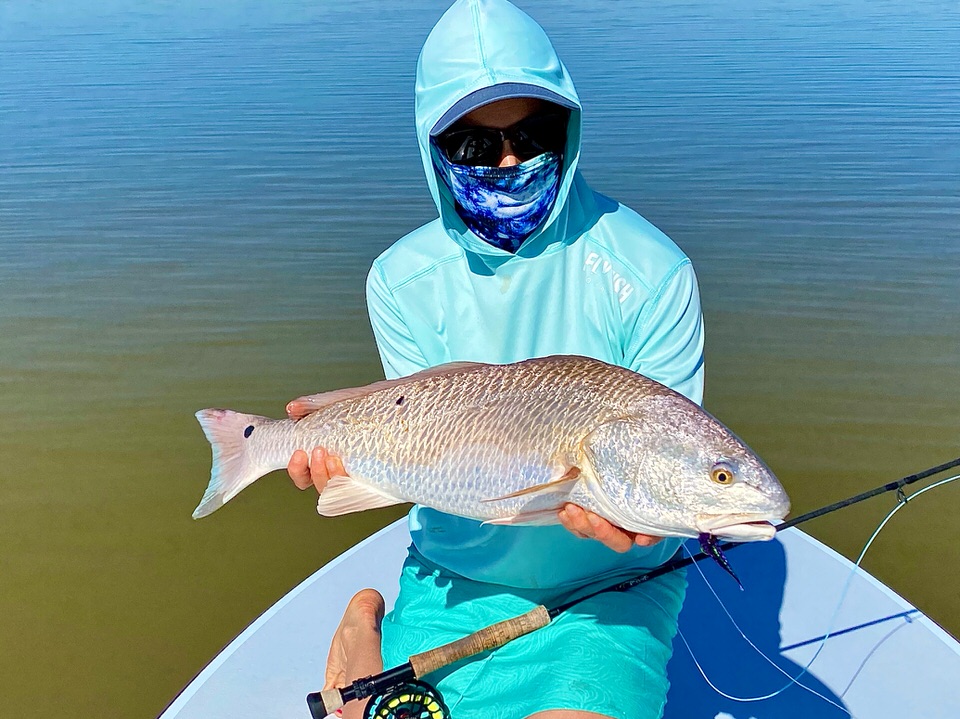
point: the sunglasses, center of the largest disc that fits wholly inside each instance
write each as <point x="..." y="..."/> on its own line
<point x="531" y="136"/>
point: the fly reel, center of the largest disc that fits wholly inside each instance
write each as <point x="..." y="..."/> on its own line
<point x="410" y="700"/>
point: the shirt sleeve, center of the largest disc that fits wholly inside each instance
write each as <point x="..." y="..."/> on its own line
<point x="399" y="352"/>
<point x="667" y="341"/>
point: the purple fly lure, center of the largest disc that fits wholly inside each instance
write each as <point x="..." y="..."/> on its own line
<point x="709" y="545"/>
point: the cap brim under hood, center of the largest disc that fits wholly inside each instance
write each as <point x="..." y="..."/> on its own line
<point x="483" y="49"/>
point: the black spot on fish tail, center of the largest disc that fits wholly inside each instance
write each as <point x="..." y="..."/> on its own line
<point x="708" y="545"/>
<point x="248" y="431"/>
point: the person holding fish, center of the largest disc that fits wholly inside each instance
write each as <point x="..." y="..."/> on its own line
<point x="524" y="260"/>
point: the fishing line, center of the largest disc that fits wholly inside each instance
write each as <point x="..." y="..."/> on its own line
<point x="793" y="680"/>
<point x="902" y="500"/>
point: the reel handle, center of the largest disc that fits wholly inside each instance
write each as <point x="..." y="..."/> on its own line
<point x="324" y="702"/>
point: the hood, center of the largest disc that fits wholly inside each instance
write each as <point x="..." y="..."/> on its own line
<point x="475" y="45"/>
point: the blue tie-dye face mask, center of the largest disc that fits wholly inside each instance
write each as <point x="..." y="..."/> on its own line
<point x="504" y="205"/>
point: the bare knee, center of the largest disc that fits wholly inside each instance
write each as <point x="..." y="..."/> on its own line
<point x="368" y="599"/>
<point x="366" y="607"/>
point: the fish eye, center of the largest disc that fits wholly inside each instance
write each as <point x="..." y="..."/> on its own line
<point x="722" y="473"/>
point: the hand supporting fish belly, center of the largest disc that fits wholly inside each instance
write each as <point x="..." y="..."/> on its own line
<point x="512" y="444"/>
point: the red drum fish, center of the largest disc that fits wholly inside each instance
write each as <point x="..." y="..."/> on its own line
<point x="510" y="444"/>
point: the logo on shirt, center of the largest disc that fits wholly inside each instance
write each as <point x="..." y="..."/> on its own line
<point x="595" y="264"/>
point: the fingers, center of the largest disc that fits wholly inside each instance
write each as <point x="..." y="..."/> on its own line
<point x="572" y="518"/>
<point x="646" y="540"/>
<point x="613" y="537"/>
<point x="589" y="525"/>
<point x="318" y="468"/>
<point x="333" y="465"/>
<point x="315" y="471"/>
<point x="299" y="469"/>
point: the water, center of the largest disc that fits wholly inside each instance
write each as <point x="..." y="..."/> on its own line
<point x="190" y="198"/>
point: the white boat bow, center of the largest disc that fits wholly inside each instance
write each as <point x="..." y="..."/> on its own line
<point x="883" y="659"/>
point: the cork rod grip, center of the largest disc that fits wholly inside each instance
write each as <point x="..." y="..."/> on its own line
<point x="496" y="635"/>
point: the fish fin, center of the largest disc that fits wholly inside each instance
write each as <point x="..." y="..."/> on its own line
<point x="233" y="468"/>
<point x="541" y="517"/>
<point x="345" y="494"/>
<point x="554" y="485"/>
<point x="444" y="369"/>
<point x="302" y="406"/>
<point x="308" y="404"/>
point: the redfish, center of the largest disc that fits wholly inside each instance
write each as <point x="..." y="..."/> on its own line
<point x="510" y="444"/>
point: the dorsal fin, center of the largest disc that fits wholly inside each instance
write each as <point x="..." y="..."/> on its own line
<point x="302" y="406"/>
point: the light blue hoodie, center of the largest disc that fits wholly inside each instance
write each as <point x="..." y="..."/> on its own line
<point x="595" y="279"/>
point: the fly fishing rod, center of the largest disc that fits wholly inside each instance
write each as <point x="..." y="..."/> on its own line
<point x="398" y="693"/>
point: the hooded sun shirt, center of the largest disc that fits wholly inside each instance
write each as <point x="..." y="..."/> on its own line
<point x="592" y="278"/>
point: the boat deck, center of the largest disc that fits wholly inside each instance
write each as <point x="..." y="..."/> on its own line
<point x="884" y="658"/>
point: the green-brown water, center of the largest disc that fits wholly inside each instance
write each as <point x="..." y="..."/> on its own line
<point x="189" y="201"/>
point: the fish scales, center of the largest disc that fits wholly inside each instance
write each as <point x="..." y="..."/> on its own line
<point x="474" y="436"/>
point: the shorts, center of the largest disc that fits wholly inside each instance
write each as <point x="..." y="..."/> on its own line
<point x="606" y="655"/>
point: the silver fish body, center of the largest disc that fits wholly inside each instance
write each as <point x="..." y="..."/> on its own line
<point x="510" y="444"/>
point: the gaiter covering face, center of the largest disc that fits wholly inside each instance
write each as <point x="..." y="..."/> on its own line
<point x="504" y="205"/>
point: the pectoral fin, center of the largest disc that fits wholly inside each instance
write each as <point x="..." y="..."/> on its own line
<point x="344" y="494"/>
<point x="563" y="483"/>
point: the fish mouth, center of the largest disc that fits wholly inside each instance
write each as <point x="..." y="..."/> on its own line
<point x="738" y="527"/>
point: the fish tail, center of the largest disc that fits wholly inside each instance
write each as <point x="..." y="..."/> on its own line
<point x="235" y="466"/>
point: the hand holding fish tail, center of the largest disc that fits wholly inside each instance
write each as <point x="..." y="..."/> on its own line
<point x="314" y="471"/>
<point x="588" y="525"/>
